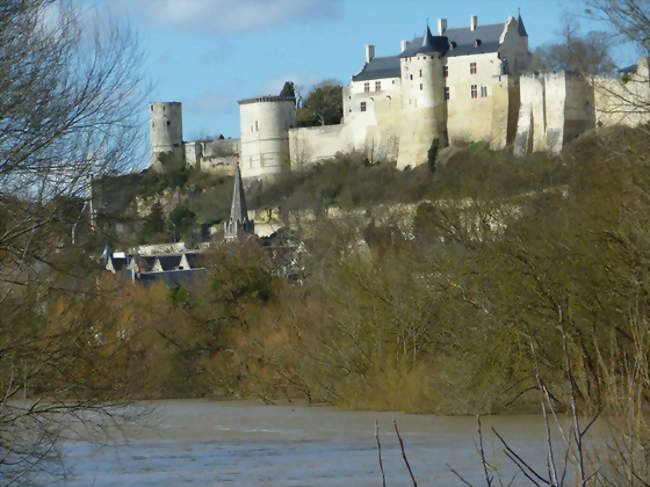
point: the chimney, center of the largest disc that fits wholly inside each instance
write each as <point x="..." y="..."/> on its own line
<point x="403" y="45"/>
<point x="442" y="26"/>
<point x="370" y="53"/>
<point x="473" y="22"/>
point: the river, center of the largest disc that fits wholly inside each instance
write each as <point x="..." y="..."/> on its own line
<point x="209" y="443"/>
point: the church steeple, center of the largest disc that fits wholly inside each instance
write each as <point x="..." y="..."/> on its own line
<point x="521" y="27"/>
<point x="238" y="222"/>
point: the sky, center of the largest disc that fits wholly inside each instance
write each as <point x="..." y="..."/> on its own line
<point x="208" y="54"/>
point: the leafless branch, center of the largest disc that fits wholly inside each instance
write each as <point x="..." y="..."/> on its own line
<point x="381" y="465"/>
<point x="401" y="445"/>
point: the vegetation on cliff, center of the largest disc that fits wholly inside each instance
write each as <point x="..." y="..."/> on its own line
<point x="439" y="317"/>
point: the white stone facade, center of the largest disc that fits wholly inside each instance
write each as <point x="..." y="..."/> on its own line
<point x="264" y="130"/>
<point x="471" y="84"/>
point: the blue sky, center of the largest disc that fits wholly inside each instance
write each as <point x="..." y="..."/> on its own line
<point x="208" y="54"/>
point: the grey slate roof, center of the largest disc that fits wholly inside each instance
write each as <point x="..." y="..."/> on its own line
<point x="521" y="27"/>
<point x="378" y="68"/>
<point x="169" y="262"/>
<point x="430" y="43"/>
<point x="170" y="278"/>
<point x="462" y="40"/>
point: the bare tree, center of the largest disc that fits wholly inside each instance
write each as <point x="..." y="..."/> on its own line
<point x="630" y="19"/>
<point x="68" y="110"/>
<point x="629" y="98"/>
<point x="586" y="54"/>
<point x="71" y="89"/>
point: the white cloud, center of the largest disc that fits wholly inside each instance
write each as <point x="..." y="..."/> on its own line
<point x="233" y="15"/>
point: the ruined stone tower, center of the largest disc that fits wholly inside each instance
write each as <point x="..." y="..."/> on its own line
<point x="264" y="128"/>
<point x="167" y="152"/>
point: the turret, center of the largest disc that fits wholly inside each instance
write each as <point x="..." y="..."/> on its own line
<point x="264" y="127"/>
<point x="423" y="99"/>
<point x="166" y="136"/>
<point x="238" y="223"/>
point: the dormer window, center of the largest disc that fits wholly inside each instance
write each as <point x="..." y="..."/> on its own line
<point x="477" y="42"/>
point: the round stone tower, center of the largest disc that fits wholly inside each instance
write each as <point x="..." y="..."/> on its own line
<point x="423" y="100"/>
<point x="167" y="150"/>
<point x="264" y="128"/>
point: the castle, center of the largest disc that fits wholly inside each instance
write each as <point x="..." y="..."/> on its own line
<point x="462" y="85"/>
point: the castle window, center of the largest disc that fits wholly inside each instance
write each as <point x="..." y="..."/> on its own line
<point x="411" y="77"/>
<point x="445" y="71"/>
<point x="446" y="92"/>
<point x="474" y="91"/>
<point x="168" y="123"/>
<point x="257" y="127"/>
<point x="362" y="107"/>
<point x="483" y="91"/>
<point x="366" y="87"/>
<point x="472" y="68"/>
<point x="377" y="85"/>
<point x="420" y="73"/>
<point x="421" y="86"/>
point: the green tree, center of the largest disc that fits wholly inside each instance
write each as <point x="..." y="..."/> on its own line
<point x="288" y="89"/>
<point x="181" y="220"/>
<point x="154" y="222"/>
<point x="323" y="106"/>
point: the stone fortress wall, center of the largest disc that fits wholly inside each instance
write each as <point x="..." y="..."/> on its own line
<point x="476" y="87"/>
<point x="169" y="151"/>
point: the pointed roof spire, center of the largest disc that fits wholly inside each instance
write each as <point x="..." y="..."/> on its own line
<point x="431" y="43"/>
<point x="238" y="221"/>
<point x="427" y="39"/>
<point x="238" y="210"/>
<point x="521" y="27"/>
